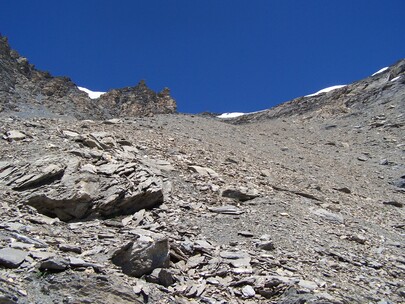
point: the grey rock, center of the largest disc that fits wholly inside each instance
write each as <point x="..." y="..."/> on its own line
<point x="161" y="276"/>
<point x="241" y="263"/>
<point x="238" y="259"/>
<point x="70" y="134"/>
<point x="240" y="194"/>
<point x="112" y="121"/>
<point x="108" y="169"/>
<point x="344" y="190"/>
<point x="15" y="135"/>
<point x="12" y="258"/>
<point x="143" y="255"/>
<point x="227" y="209"/>
<point x="362" y="158"/>
<point x="308" y="284"/>
<point x="203" y="245"/>
<point x="75" y="262"/>
<point x="41" y="255"/>
<point x="90" y="142"/>
<point x="49" y="174"/>
<point x="89" y="168"/>
<point x="384" y="162"/>
<point x="73" y="203"/>
<point x="248" y="291"/>
<point x="330" y="216"/>
<point x="203" y="171"/>
<point x="233" y="255"/>
<point x="268" y="246"/>
<point x="394" y="203"/>
<point x="246" y="233"/>
<point x="38" y="243"/>
<point x="70" y="248"/>
<point x="43" y="219"/>
<point x="399" y="183"/>
<point x="56" y="264"/>
<point x="195" y="261"/>
<point x="357" y="238"/>
<point x="20" y="245"/>
<point x="159" y="164"/>
<point x="401" y="291"/>
<point x="121" y="202"/>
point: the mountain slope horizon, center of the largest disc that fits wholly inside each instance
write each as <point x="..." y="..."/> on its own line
<point x="121" y="199"/>
<point x="67" y="93"/>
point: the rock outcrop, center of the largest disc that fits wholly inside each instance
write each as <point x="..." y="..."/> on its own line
<point x="27" y="91"/>
<point x="102" y="179"/>
<point x="137" y="101"/>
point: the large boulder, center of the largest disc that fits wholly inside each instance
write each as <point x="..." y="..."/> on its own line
<point x="86" y="183"/>
<point x="144" y="254"/>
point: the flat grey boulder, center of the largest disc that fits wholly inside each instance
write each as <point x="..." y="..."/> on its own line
<point x="12" y="258"/>
<point x="144" y="254"/>
<point x="56" y="264"/>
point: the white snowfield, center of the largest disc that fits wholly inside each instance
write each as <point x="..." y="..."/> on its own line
<point x="380" y="71"/>
<point x="396" y="78"/>
<point x="231" y="115"/>
<point x="326" y="90"/>
<point x="237" y="114"/>
<point x="92" y="94"/>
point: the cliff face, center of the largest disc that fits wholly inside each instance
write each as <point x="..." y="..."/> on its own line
<point x="31" y="92"/>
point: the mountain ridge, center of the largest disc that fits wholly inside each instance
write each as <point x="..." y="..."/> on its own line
<point x="341" y="99"/>
<point x="24" y="88"/>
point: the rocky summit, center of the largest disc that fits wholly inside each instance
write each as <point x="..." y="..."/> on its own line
<point x="121" y="200"/>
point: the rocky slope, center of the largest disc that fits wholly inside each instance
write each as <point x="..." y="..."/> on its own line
<point x="28" y="91"/>
<point x="303" y="203"/>
<point x="379" y="88"/>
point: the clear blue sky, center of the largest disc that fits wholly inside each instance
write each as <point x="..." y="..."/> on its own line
<point x="214" y="55"/>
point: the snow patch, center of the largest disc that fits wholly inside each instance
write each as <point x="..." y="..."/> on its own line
<point x="92" y="94"/>
<point x="380" y="71"/>
<point x="396" y="78"/>
<point x="237" y="114"/>
<point x="231" y="115"/>
<point x="326" y="90"/>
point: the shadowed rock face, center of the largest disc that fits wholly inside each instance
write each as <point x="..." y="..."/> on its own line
<point x="30" y="92"/>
